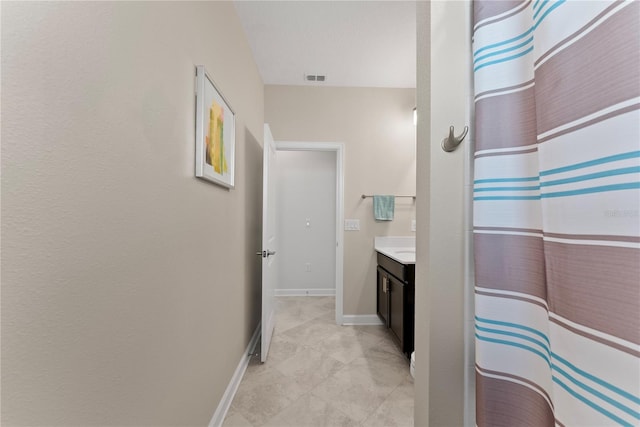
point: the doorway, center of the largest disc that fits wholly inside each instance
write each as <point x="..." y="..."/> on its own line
<point x="309" y="225"/>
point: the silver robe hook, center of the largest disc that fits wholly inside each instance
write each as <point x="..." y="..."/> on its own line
<point x="451" y="142"/>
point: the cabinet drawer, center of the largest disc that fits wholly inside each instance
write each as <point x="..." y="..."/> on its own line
<point x="404" y="272"/>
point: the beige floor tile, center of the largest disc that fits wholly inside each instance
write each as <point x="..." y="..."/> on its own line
<point x="377" y="330"/>
<point x="310" y="411"/>
<point x="262" y="395"/>
<point x="384" y="368"/>
<point x="311" y="332"/>
<point x="310" y="366"/>
<point x="328" y="303"/>
<point x="281" y="348"/>
<point x="322" y="374"/>
<point x="327" y="317"/>
<point x="353" y="391"/>
<point x="396" y="410"/>
<point x="348" y="344"/>
<point x="236" y="420"/>
<point x="390" y="346"/>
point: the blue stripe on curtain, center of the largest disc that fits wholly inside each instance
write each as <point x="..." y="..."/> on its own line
<point x="571" y="378"/>
<point x="537" y="4"/>
<point x="539" y="9"/>
<point x="491" y="180"/>
<point x="516" y="335"/>
<point x="591" y="404"/>
<point x="594" y="162"/>
<point x="556" y="357"/>
<point x="514" y="344"/>
<point x="576" y="177"/>
<point x="580" y="178"/>
<point x="536" y="187"/>
<point x="498" y="61"/>
<point x="507" y="198"/>
<point x="514" y="39"/>
<point x="516" y="56"/>
<point x="514" y="325"/>
<point x="510" y="49"/>
<point x="523" y="35"/>
<point x="591" y="190"/>
<point x="604" y="174"/>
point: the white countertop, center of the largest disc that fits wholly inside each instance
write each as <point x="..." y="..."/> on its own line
<point x="399" y="248"/>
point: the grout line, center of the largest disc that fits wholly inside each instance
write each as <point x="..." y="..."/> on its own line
<point x="379" y="341"/>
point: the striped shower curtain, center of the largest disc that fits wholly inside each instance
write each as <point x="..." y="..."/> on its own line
<point x="556" y="212"/>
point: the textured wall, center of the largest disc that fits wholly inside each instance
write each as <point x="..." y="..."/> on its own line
<point x="443" y="91"/>
<point x="376" y="127"/>
<point x="423" y="208"/>
<point x="130" y="289"/>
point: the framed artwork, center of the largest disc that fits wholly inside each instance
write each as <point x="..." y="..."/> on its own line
<point x="215" y="133"/>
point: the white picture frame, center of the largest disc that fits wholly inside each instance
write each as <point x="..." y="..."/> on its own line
<point x="215" y="133"/>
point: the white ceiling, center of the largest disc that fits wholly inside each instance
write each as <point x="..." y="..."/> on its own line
<point x="353" y="43"/>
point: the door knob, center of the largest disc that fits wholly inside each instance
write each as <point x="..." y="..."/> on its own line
<point x="266" y="254"/>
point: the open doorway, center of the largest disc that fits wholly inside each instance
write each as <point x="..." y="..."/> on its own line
<point x="310" y="180"/>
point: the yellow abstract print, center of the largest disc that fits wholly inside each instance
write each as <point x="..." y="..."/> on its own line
<point x="214" y="139"/>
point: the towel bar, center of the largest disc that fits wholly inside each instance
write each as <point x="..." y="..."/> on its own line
<point x="364" y="196"/>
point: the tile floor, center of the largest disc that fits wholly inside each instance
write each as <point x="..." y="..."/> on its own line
<point x="322" y="374"/>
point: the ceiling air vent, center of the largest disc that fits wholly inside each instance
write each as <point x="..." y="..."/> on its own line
<point x="315" y="77"/>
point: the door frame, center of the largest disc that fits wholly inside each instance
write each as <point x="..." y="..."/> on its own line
<point x="269" y="247"/>
<point x="338" y="148"/>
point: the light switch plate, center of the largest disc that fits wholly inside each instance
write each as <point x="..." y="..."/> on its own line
<point x="413" y="225"/>
<point x="352" y="225"/>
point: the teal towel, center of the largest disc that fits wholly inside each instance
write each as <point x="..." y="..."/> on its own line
<point x="383" y="207"/>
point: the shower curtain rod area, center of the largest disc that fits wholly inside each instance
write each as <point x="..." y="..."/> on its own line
<point x="364" y="196"/>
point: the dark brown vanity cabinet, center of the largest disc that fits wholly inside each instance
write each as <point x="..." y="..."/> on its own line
<point x="396" y="300"/>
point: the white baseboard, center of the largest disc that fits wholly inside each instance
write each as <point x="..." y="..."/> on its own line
<point x="361" y="319"/>
<point x="232" y="388"/>
<point x="305" y="292"/>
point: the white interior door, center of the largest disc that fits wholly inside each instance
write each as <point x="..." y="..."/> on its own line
<point x="269" y="266"/>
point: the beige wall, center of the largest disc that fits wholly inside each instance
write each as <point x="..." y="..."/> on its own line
<point x="130" y="289"/>
<point x="376" y="127"/>
<point x="423" y="213"/>
<point x="444" y="230"/>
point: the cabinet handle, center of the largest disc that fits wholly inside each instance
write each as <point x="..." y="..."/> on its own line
<point x="385" y="284"/>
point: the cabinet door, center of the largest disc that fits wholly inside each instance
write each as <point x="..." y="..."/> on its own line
<point x="396" y="309"/>
<point x="383" y="299"/>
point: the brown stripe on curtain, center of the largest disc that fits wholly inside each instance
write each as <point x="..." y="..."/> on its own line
<point x="595" y="286"/>
<point x="595" y="338"/>
<point x="517" y="378"/>
<point x="513" y="297"/>
<point x="504" y="89"/>
<point x="487" y="9"/>
<point x="505" y="121"/>
<point x="508" y="229"/>
<point x="510" y="263"/>
<point x="507" y="153"/>
<point x="508" y="404"/>
<point x="591" y="122"/>
<point x="600" y="237"/>
<point x="514" y="11"/>
<point x="611" y="78"/>
<point x="586" y="27"/>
